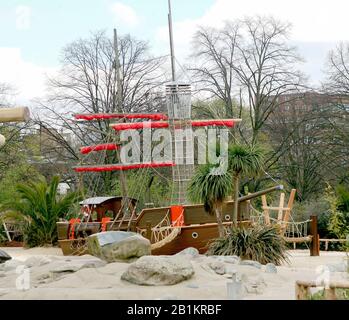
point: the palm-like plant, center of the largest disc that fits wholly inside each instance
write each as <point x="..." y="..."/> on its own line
<point x="41" y="207"/>
<point x="243" y="160"/>
<point x="211" y="186"/>
<point x="260" y="243"/>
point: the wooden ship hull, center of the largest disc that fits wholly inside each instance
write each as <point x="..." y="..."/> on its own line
<point x="197" y="227"/>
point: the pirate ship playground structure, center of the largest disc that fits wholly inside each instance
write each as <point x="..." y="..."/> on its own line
<point x="180" y="224"/>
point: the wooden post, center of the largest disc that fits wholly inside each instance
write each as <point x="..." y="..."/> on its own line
<point x="330" y="294"/>
<point x="265" y="210"/>
<point x="290" y="205"/>
<point x="302" y="292"/>
<point x="281" y="206"/>
<point x="148" y="230"/>
<point x="315" y="243"/>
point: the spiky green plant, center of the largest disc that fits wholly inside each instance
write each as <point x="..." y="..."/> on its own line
<point x="41" y="207"/>
<point x="211" y="186"/>
<point x="260" y="243"/>
<point x="243" y="160"/>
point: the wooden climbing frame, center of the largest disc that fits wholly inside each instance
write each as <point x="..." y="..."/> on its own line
<point x="284" y="213"/>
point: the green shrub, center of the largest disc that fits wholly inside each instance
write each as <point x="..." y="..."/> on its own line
<point x="40" y="207"/>
<point x="260" y="243"/>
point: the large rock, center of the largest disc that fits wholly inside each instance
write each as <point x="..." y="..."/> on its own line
<point x="251" y="263"/>
<point x="37" y="261"/>
<point x="4" y="256"/>
<point x="11" y="265"/>
<point x="270" y="268"/>
<point x="114" y="246"/>
<point x="253" y="284"/>
<point x="218" y="267"/>
<point x="70" y="265"/>
<point x="158" y="270"/>
<point x="227" y="259"/>
<point x="190" y="252"/>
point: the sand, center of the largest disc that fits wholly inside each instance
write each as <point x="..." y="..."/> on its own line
<point x="105" y="283"/>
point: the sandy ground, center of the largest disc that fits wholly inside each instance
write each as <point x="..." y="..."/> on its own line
<point x="105" y="283"/>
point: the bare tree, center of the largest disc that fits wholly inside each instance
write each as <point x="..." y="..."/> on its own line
<point x="214" y="54"/>
<point x="337" y="72"/>
<point x="308" y="151"/>
<point x="251" y="60"/>
<point x="87" y="84"/>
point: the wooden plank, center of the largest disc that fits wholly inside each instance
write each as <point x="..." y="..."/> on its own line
<point x="302" y="291"/>
<point x="18" y="114"/>
<point x="291" y="199"/>
<point x="7" y="232"/>
<point x="265" y="210"/>
<point x="281" y="205"/>
<point x="275" y="208"/>
<point x="298" y="240"/>
<point x="290" y="205"/>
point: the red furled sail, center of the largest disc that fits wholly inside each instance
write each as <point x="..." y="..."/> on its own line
<point x="162" y="124"/>
<point x="105" y="116"/>
<point x="118" y="167"/>
<point x="139" y="125"/>
<point x="214" y="122"/>
<point x="99" y="147"/>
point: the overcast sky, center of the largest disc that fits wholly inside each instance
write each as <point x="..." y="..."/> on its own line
<point x="33" y="32"/>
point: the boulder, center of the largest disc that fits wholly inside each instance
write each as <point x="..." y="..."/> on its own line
<point x="251" y="263"/>
<point x="37" y="261"/>
<point x="217" y="266"/>
<point x="158" y="270"/>
<point x="191" y="252"/>
<point x="70" y="265"/>
<point x="227" y="259"/>
<point x="270" y="268"/>
<point x="254" y="285"/>
<point x="4" y="256"/>
<point x="114" y="246"/>
<point x="230" y="269"/>
<point x="11" y="265"/>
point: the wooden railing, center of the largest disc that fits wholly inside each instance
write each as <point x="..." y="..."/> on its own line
<point x="303" y="289"/>
<point x="331" y="240"/>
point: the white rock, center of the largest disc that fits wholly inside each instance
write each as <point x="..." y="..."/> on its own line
<point x="65" y="266"/>
<point x="254" y="285"/>
<point x="114" y="246"/>
<point x="158" y="270"/>
<point x="37" y="261"/>
<point x="227" y="259"/>
<point x="251" y="263"/>
<point x="229" y="269"/>
<point x="192" y="252"/>
<point x="217" y="266"/>
<point x="11" y="265"/>
<point x="270" y="268"/>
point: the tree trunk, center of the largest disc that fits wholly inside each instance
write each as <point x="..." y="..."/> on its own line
<point x="220" y="223"/>
<point x="236" y="197"/>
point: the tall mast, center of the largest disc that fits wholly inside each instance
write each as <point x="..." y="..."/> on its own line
<point x="173" y="66"/>
<point x="120" y="110"/>
<point x="117" y="72"/>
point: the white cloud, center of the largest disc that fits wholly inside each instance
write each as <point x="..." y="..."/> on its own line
<point x="313" y="21"/>
<point x="27" y="78"/>
<point x="125" y="14"/>
<point x="23" y="17"/>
